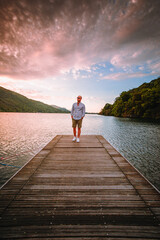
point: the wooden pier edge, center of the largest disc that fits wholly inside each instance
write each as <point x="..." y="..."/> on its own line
<point x="85" y="190"/>
<point x="27" y="162"/>
<point x="133" y="166"/>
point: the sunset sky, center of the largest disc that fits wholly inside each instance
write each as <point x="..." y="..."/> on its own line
<point x="54" y="50"/>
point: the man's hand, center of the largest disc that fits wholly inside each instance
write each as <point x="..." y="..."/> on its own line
<point x="71" y="116"/>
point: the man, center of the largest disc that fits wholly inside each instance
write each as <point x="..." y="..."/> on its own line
<point x="77" y="115"/>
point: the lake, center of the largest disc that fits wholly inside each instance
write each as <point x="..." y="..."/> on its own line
<point x="22" y="135"/>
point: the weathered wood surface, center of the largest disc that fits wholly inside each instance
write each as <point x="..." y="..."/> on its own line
<point x="83" y="190"/>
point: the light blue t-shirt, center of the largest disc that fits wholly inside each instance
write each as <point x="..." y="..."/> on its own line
<point x="78" y="111"/>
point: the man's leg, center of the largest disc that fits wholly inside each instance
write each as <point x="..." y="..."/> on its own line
<point x="79" y="132"/>
<point x="79" y="127"/>
<point x="74" y="132"/>
<point x="74" y="129"/>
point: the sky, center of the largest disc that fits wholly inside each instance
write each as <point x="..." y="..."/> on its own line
<point x="55" y="50"/>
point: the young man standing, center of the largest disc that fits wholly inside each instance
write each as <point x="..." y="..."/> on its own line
<point x="77" y="115"/>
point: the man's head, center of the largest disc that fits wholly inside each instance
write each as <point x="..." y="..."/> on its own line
<point x="79" y="98"/>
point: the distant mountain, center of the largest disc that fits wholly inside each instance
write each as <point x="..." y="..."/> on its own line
<point x="141" y="102"/>
<point x="62" y="109"/>
<point x="14" y="102"/>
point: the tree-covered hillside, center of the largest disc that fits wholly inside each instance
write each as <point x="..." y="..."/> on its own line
<point x="61" y="108"/>
<point x="141" y="102"/>
<point x="13" y="102"/>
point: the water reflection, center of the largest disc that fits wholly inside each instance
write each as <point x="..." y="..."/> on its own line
<point x="24" y="134"/>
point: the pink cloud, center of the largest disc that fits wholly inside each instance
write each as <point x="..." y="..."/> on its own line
<point x="123" y="75"/>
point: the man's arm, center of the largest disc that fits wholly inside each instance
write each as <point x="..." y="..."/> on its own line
<point x="72" y="111"/>
<point x="83" y="111"/>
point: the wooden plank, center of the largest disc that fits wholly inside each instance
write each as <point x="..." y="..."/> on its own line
<point x="77" y="175"/>
<point x="79" y="145"/>
<point x="82" y="231"/>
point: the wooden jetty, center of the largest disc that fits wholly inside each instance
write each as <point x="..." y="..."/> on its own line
<point x="83" y="190"/>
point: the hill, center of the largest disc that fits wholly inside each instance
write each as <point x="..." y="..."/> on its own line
<point x="61" y="109"/>
<point x="14" y="102"/>
<point x="141" y="102"/>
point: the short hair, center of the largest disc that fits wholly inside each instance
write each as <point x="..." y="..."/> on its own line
<point x="80" y="96"/>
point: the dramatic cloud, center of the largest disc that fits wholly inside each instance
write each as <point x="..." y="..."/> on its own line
<point x="47" y="38"/>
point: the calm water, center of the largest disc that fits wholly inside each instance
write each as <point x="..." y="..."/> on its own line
<point x="22" y="135"/>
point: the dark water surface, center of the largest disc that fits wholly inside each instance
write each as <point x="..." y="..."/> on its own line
<point x="22" y="135"/>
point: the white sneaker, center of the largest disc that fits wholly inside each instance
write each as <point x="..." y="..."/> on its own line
<point x="78" y="140"/>
<point x="74" y="139"/>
